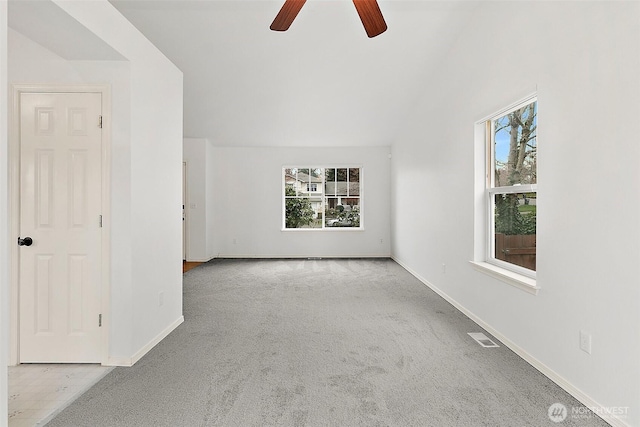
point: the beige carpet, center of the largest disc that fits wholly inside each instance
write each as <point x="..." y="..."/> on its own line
<point x="320" y="343"/>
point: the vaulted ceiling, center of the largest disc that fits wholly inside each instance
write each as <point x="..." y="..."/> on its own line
<point x="321" y="83"/>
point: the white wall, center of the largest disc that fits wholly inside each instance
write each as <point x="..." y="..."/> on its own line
<point x="584" y="60"/>
<point x="146" y="191"/>
<point x="248" y="203"/>
<point x="29" y="62"/>
<point x="156" y="174"/>
<point x="4" y="221"/>
<point x="197" y="153"/>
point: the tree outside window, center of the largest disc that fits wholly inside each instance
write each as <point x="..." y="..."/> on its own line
<point x="322" y="198"/>
<point x="512" y="190"/>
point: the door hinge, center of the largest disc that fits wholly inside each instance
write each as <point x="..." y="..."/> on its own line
<point x="100" y="122"/>
<point x="100" y="220"/>
<point x="99" y="320"/>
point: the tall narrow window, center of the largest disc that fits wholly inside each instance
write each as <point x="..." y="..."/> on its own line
<point x="512" y="189"/>
<point x="322" y="198"/>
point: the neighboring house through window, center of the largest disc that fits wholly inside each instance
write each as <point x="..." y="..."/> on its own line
<point x="318" y="198"/>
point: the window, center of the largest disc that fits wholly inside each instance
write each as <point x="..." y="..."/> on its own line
<point x="512" y="188"/>
<point x="320" y="198"/>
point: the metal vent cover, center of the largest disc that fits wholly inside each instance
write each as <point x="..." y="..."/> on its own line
<point x="482" y="339"/>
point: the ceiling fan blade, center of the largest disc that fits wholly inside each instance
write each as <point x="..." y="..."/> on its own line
<point x="371" y="17"/>
<point x="287" y="14"/>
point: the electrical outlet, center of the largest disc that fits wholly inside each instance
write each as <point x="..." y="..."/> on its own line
<point x="585" y="342"/>
<point x="235" y="240"/>
<point x="444" y="268"/>
<point x="381" y="241"/>
<point x="161" y="299"/>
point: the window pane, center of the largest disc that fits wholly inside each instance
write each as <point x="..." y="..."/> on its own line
<point x="515" y="150"/>
<point x="330" y="181"/>
<point x="354" y="182"/>
<point x="291" y="183"/>
<point x="303" y="212"/>
<point x="515" y="228"/>
<point x="316" y="180"/>
<point x="330" y="174"/>
<point x="342" y="212"/>
<point x="316" y="174"/>
<point x="341" y="185"/>
<point x="303" y="175"/>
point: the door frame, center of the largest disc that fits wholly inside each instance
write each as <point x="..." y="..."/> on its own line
<point x="14" y="208"/>
<point x="185" y="201"/>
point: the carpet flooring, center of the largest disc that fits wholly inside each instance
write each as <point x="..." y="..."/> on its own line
<point x="333" y="342"/>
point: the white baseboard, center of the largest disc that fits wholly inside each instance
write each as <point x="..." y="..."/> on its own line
<point x="162" y="335"/>
<point x="124" y="362"/>
<point x="582" y="397"/>
<point x="128" y="362"/>
<point x="298" y="256"/>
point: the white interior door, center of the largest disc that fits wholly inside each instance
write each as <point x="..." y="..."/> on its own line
<point x="60" y="208"/>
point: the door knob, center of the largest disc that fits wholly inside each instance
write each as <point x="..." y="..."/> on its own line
<point x="27" y="241"/>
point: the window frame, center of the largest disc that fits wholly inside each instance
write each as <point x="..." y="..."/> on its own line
<point x="491" y="240"/>
<point x="491" y="191"/>
<point x="323" y="196"/>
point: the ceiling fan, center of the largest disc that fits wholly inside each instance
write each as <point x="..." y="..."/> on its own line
<point x="369" y="12"/>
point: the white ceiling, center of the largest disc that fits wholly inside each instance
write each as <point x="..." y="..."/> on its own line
<point x="54" y="29"/>
<point x="321" y="83"/>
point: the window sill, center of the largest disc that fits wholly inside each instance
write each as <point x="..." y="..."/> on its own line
<point x="329" y="229"/>
<point x="519" y="281"/>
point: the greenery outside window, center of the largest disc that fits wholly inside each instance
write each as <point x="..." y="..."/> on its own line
<point x="322" y="198"/>
<point x="512" y="188"/>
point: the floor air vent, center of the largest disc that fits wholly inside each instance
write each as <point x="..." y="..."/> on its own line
<point x="482" y="339"/>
